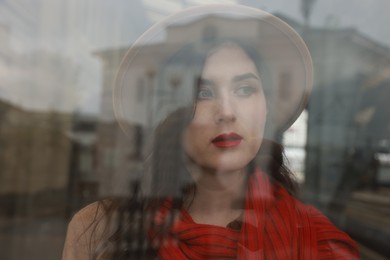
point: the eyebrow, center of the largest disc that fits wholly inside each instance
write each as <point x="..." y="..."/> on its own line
<point x="206" y="82"/>
<point x="237" y="78"/>
<point x="245" y="76"/>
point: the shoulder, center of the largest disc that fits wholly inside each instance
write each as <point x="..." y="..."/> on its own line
<point x="87" y="227"/>
<point x="90" y="219"/>
<point x="90" y="213"/>
<point x="315" y="229"/>
<point x="332" y="242"/>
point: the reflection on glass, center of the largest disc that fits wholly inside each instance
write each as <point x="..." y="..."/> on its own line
<point x="61" y="148"/>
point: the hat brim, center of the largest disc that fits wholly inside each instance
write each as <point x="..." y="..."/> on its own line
<point x="283" y="50"/>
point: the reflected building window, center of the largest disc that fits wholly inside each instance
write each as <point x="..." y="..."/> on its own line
<point x="108" y="157"/>
<point x="140" y="90"/>
<point x="138" y="141"/>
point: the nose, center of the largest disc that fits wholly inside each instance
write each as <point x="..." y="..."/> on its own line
<point x="225" y="111"/>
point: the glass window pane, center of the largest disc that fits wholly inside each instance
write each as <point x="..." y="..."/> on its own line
<point x="62" y="147"/>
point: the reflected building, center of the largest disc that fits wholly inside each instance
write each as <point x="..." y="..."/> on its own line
<point x="82" y="180"/>
<point x="34" y="159"/>
<point x="348" y="126"/>
<point x="37" y="92"/>
<point x="347" y="121"/>
<point x="118" y="156"/>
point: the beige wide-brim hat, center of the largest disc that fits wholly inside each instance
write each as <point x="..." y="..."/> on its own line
<point x="147" y="88"/>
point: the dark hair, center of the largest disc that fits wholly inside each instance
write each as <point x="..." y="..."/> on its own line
<point x="165" y="168"/>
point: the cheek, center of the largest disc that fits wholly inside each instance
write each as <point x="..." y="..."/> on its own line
<point x="196" y="131"/>
<point x="189" y="139"/>
<point x="202" y="115"/>
<point x="255" y="119"/>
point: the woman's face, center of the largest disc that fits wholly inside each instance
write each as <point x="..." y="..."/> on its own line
<point x="228" y="124"/>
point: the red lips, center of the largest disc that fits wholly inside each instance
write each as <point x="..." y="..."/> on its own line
<point x="227" y="140"/>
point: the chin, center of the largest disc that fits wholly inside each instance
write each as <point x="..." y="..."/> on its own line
<point x="228" y="164"/>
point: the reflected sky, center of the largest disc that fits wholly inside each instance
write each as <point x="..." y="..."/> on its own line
<point x="74" y="30"/>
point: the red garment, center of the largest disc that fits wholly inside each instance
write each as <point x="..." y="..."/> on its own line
<point x="275" y="226"/>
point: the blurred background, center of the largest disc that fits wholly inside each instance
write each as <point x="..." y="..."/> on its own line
<point x="61" y="148"/>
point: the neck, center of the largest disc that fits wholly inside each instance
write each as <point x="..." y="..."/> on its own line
<point x="219" y="196"/>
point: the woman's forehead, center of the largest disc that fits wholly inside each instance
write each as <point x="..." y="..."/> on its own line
<point x="227" y="47"/>
<point x="228" y="60"/>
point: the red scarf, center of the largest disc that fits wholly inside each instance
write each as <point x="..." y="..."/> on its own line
<point x="275" y="226"/>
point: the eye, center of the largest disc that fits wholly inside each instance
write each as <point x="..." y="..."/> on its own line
<point x="245" y="90"/>
<point x="205" y="93"/>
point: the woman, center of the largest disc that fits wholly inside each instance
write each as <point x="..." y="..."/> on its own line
<point x="219" y="187"/>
